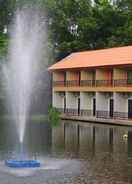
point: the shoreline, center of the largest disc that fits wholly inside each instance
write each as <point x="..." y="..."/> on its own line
<point x="98" y="120"/>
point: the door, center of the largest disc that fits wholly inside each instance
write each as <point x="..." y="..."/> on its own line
<point x="129" y="108"/>
<point x="93" y="78"/>
<point x="79" y="78"/>
<point x="64" y="104"/>
<point x="112" y="77"/>
<point x="94" y="107"/>
<point x="64" y="78"/>
<point x="78" y="106"/>
<point x="129" y="77"/>
<point x="111" y="107"/>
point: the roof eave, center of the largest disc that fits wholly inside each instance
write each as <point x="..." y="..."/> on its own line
<point x="88" y="67"/>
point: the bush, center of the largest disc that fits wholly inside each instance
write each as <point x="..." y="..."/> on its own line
<point x="53" y="116"/>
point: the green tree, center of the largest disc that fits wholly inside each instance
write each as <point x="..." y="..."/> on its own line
<point x="110" y="22"/>
<point x="7" y="7"/>
<point x="68" y="20"/>
<point x="3" y="45"/>
<point x="77" y="25"/>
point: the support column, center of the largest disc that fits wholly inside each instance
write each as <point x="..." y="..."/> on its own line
<point x="102" y="105"/>
<point x="120" y="106"/>
<point x="86" y="103"/>
<point x="72" y="103"/>
<point x="58" y="100"/>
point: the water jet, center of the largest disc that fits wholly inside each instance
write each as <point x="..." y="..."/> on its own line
<point x="20" y="73"/>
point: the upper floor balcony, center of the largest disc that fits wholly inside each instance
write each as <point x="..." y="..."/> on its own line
<point x="118" y="85"/>
<point x="98" y="79"/>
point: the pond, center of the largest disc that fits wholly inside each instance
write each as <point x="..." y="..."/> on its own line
<point x="72" y="153"/>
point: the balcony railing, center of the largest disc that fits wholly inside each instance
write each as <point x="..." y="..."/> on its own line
<point x="71" y="112"/>
<point x="72" y="83"/>
<point x="58" y="83"/>
<point x="94" y="83"/>
<point x="120" y="115"/>
<point x="104" y="83"/>
<point x="102" y="114"/>
<point x="85" y="112"/>
<point x="87" y="83"/>
<point x="121" y="82"/>
<point x="99" y="114"/>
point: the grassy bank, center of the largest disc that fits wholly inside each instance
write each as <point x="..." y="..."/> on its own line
<point x="34" y="118"/>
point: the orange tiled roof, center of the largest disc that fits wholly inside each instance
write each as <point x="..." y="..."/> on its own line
<point x="96" y="58"/>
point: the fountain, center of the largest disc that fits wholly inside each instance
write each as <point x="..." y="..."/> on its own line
<point x="27" y="36"/>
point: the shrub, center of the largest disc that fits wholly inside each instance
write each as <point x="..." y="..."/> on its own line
<point x="53" y="116"/>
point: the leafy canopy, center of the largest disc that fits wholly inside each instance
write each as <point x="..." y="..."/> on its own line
<point x="76" y="25"/>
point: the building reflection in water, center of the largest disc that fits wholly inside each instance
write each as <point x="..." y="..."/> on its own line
<point x="86" y="140"/>
<point x="71" y="138"/>
<point x="120" y="140"/>
<point x="106" y="149"/>
<point x="130" y="153"/>
<point x="102" y="139"/>
<point x="83" y="139"/>
<point x="129" y="142"/>
<point x="58" y="138"/>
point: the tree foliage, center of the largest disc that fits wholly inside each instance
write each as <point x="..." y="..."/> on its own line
<point x="100" y="25"/>
<point x="76" y="25"/>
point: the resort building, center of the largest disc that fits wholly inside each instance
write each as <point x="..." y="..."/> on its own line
<point x="94" y="83"/>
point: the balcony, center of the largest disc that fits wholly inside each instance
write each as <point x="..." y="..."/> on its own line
<point x="106" y="85"/>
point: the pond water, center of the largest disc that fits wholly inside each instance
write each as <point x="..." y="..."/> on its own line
<point x="72" y="153"/>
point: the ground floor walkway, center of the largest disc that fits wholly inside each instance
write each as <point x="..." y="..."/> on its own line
<point x="127" y="122"/>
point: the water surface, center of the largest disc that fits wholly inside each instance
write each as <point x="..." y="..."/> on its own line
<point x="80" y="152"/>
